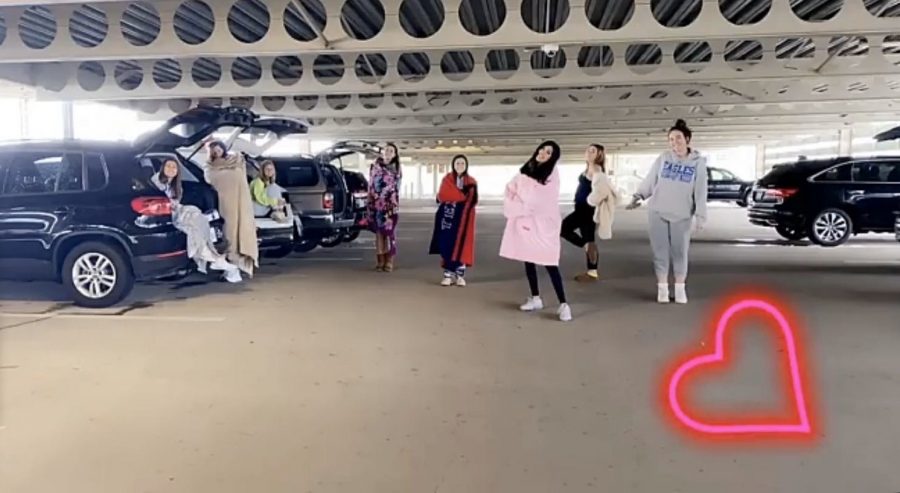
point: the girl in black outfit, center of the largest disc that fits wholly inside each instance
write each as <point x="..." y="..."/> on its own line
<point x="578" y="228"/>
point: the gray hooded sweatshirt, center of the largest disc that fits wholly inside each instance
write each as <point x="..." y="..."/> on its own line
<point x="676" y="186"/>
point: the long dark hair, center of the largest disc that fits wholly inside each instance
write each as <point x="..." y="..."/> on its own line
<point x="541" y="171"/>
<point x="601" y="160"/>
<point x="220" y="145"/>
<point x="453" y="164"/>
<point x="175" y="183"/>
<point x="395" y="163"/>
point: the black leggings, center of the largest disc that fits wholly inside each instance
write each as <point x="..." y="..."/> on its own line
<point x="555" y="278"/>
<point x="581" y="220"/>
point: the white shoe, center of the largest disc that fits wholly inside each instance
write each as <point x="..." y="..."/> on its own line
<point x="681" y="294"/>
<point x="565" y="313"/>
<point x="233" y="276"/>
<point x="447" y="281"/>
<point x="534" y="303"/>
<point x="662" y="293"/>
<point x="461" y="282"/>
<point x="221" y="264"/>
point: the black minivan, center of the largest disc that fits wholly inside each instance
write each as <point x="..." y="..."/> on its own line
<point x="85" y="213"/>
<point x="829" y="200"/>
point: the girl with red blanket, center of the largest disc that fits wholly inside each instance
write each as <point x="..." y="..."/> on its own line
<point x="454" y="224"/>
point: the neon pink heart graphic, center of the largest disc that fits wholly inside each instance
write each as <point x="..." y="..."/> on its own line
<point x="802" y="424"/>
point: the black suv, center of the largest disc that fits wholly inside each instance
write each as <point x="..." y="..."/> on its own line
<point x="829" y="200"/>
<point x="723" y="185"/>
<point x="85" y="214"/>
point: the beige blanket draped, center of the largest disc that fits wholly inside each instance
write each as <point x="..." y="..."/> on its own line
<point x="229" y="177"/>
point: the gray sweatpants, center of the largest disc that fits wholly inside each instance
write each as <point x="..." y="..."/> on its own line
<point x="670" y="241"/>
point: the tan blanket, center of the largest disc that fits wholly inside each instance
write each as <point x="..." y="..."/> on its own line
<point x="229" y="177"/>
<point x="603" y="197"/>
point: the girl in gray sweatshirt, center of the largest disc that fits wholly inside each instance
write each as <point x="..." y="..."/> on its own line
<point x="676" y="191"/>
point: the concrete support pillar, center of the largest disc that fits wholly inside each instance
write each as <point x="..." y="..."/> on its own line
<point x="845" y="141"/>
<point x="23" y="118"/>
<point x="435" y="171"/>
<point x="68" y="114"/>
<point x="419" y="185"/>
<point x="760" y="161"/>
<point x="305" y="146"/>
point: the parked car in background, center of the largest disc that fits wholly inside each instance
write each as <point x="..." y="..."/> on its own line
<point x="86" y="215"/>
<point x="723" y="185"/>
<point x="829" y="200"/>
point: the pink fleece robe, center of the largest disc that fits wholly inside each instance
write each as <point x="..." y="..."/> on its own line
<point x="533" y="220"/>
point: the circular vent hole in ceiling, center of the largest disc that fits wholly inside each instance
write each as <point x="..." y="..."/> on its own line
<point x="414" y="67"/>
<point x="37" y="27"/>
<point x="795" y="48"/>
<point x="457" y="65"/>
<point x="694" y="56"/>
<point x="2" y="28"/>
<point x="545" y="16"/>
<point x="848" y="46"/>
<point x="362" y="19"/>
<point x="643" y="58"/>
<point x="883" y="8"/>
<point x="547" y="66"/>
<point x="817" y="10"/>
<point x="245" y="102"/>
<point x="306" y="21"/>
<point x="482" y="17"/>
<point x="405" y="100"/>
<point x="88" y="26"/>
<point x="179" y="105"/>
<point x="595" y="60"/>
<point x="287" y="70"/>
<point x="338" y="101"/>
<point x="743" y="12"/>
<point x="274" y="103"/>
<point x="210" y="102"/>
<point x="248" y="20"/>
<point x="438" y="99"/>
<point x="90" y="76"/>
<point x="329" y="69"/>
<point x="129" y="75"/>
<point x="502" y="64"/>
<point x="742" y="55"/>
<point x="167" y="73"/>
<point x="140" y="23"/>
<point x="473" y="98"/>
<point x="194" y="22"/>
<point x="246" y="71"/>
<point x="306" y="103"/>
<point x="680" y="13"/>
<point x="421" y="18"/>
<point x="609" y="15"/>
<point x="371" y="67"/>
<point x="206" y="72"/>
<point x="371" y="101"/>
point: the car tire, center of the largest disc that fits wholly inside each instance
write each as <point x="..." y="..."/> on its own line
<point x="830" y="228"/>
<point x="97" y="275"/>
<point x="351" y="235"/>
<point x="789" y="233"/>
<point x="332" y="240"/>
<point x="280" y="252"/>
<point x="306" y="245"/>
<point x="744" y="201"/>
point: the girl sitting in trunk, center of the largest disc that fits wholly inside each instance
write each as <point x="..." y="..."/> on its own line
<point x="268" y="196"/>
<point x="191" y="221"/>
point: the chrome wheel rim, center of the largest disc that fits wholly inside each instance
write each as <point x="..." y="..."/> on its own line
<point x="831" y="227"/>
<point x="94" y="275"/>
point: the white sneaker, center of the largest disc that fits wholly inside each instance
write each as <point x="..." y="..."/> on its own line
<point x="447" y="281"/>
<point x="534" y="303"/>
<point x="565" y="313"/>
<point x="233" y="276"/>
<point x="662" y="293"/>
<point x="681" y="294"/>
<point x="461" y="282"/>
<point x="221" y="264"/>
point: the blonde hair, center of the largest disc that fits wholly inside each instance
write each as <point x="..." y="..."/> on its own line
<point x="262" y="172"/>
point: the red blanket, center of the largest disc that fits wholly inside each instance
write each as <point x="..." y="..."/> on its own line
<point x="454" y="227"/>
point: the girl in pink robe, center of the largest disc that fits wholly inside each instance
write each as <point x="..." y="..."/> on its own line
<point x="533" y="224"/>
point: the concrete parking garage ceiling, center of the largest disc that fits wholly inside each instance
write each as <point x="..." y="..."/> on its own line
<point x="476" y="70"/>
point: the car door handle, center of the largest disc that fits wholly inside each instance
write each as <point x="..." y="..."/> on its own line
<point x="62" y="211"/>
<point x="856" y="192"/>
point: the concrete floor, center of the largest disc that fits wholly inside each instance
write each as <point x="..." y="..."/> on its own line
<point x="322" y="376"/>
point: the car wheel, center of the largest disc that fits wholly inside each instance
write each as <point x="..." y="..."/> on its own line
<point x="789" y="233"/>
<point x="831" y="227"/>
<point x="97" y="275"/>
<point x="305" y="245"/>
<point x="744" y="201"/>
<point x="351" y="235"/>
<point x="332" y="240"/>
<point x="280" y="252"/>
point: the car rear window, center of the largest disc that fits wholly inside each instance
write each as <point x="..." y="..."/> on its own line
<point x="297" y="173"/>
<point x="793" y="174"/>
<point x="355" y="182"/>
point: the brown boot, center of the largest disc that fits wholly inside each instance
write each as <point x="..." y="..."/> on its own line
<point x="379" y="266"/>
<point x="388" y="263"/>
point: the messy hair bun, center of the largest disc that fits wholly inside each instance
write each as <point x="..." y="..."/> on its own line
<point x="681" y="126"/>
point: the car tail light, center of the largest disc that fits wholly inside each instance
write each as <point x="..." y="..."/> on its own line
<point x="152" y="206"/>
<point x="781" y="193"/>
<point x="328" y="201"/>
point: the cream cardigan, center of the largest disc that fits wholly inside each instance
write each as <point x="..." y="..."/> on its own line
<point x="604" y="199"/>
